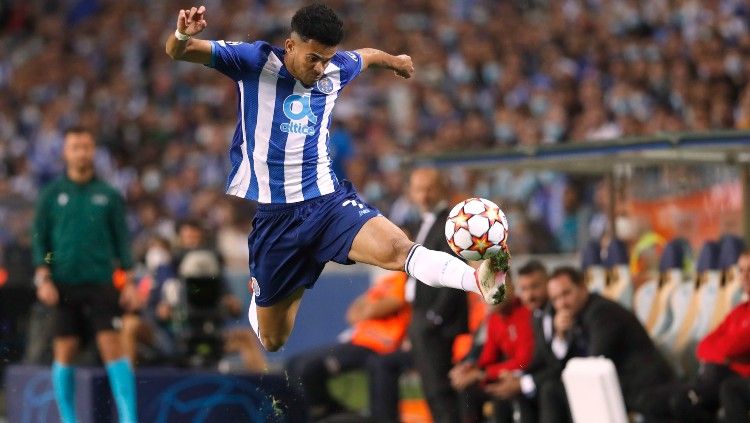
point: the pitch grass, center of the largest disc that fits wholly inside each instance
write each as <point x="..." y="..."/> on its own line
<point x="350" y="389"/>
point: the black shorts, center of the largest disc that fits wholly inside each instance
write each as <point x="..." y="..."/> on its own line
<point x="96" y="305"/>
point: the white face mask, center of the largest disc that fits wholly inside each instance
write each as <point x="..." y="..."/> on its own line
<point x="626" y="227"/>
<point x="155" y="257"/>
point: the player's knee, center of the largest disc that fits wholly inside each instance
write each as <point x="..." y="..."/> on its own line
<point x="272" y="343"/>
<point x="398" y="251"/>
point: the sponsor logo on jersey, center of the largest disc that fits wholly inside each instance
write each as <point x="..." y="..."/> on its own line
<point x="297" y="107"/>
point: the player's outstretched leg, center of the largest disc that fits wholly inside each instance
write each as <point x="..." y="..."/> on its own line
<point x="383" y="244"/>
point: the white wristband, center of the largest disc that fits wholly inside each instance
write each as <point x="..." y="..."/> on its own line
<point x="180" y="36"/>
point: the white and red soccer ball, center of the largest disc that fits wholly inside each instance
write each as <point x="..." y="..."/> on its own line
<point x="476" y="229"/>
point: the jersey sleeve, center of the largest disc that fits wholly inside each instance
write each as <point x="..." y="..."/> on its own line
<point x="235" y="59"/>
<point x="350" y="63"/>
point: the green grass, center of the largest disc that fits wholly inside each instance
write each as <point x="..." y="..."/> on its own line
<point x="351" y="389"/>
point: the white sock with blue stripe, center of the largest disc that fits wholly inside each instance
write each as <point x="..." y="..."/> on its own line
<point x="439" y="269"/>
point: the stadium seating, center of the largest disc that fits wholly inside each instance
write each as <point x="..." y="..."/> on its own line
<point x="653" y="301"/>
<point x="691" y="306"/>
<point x="730" y="294"/>
<point x="619" y="287"/>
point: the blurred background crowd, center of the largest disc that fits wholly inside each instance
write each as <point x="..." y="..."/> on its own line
<point x="489" y="74"/>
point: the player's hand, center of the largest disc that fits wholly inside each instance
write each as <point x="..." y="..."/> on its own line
<point x="404" y="67"/>
<point x="192" y="21"/>
<point x="47" y="293"/>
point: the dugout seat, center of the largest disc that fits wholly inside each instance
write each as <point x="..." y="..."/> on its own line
<point x="619" y="287"/>
<point x="730" y="247"/>
<point x="670" y="277"/>
<point x="691" y="306"/>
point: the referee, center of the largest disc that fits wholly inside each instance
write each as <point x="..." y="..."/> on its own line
<point x="79" y="236"/>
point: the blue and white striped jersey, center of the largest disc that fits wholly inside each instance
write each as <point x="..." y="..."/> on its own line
<point x="280" y="151"/>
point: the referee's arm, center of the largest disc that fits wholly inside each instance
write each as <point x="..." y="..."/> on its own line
<point x="120" y="233"/>
<point x="40" y="236"/>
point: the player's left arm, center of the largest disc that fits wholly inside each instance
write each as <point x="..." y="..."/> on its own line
<point x="401" y="64"/>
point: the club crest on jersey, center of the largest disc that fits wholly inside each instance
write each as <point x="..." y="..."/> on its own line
<point x="297" y="107"/>
<point x="325" y="85"/>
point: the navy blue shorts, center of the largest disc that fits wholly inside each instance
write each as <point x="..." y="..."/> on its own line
<point x="291" y="243"/>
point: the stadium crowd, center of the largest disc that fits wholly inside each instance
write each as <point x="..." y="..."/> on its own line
<point x="488" y="74"/>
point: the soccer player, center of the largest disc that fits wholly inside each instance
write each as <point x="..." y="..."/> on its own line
<point x="79" y="235"/>
<point x="280" y="158"/>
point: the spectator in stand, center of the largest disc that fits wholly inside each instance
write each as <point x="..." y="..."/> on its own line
<point x="572" y="70"/>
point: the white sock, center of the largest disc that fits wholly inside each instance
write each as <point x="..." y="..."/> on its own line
<point x="439" y="269"/>
<point x="252" y="315"/>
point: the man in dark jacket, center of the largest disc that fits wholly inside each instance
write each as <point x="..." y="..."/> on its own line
<point x="438" y="314"/>
<point x="589" y="325"/>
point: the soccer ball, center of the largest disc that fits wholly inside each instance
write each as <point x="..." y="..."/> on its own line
<point x="476" y="229"/>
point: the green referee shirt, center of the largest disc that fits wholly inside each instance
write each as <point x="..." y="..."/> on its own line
<point x="80" y="232"/>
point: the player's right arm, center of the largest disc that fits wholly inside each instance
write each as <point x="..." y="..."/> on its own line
<point x="190" y="22"/>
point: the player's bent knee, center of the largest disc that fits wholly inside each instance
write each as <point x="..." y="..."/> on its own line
<point x="272" y="343"/>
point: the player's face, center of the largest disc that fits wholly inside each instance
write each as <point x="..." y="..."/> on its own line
<point x="743" y="272"/>
<point x="565" y="295"/>
<point x="532" y="290"/>
<point x="78" y="151"/>
<point x="307" y="60"/>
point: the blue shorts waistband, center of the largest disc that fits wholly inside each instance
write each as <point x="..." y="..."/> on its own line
<point x="269" y="208"/>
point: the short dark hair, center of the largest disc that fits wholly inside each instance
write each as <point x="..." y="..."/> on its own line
<point x="190" y="222"/>
<point x="320" y="23"/>
<point x="575" y="275"/>
<point x="77" y="130"/>
<point x="532" y="266"/>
